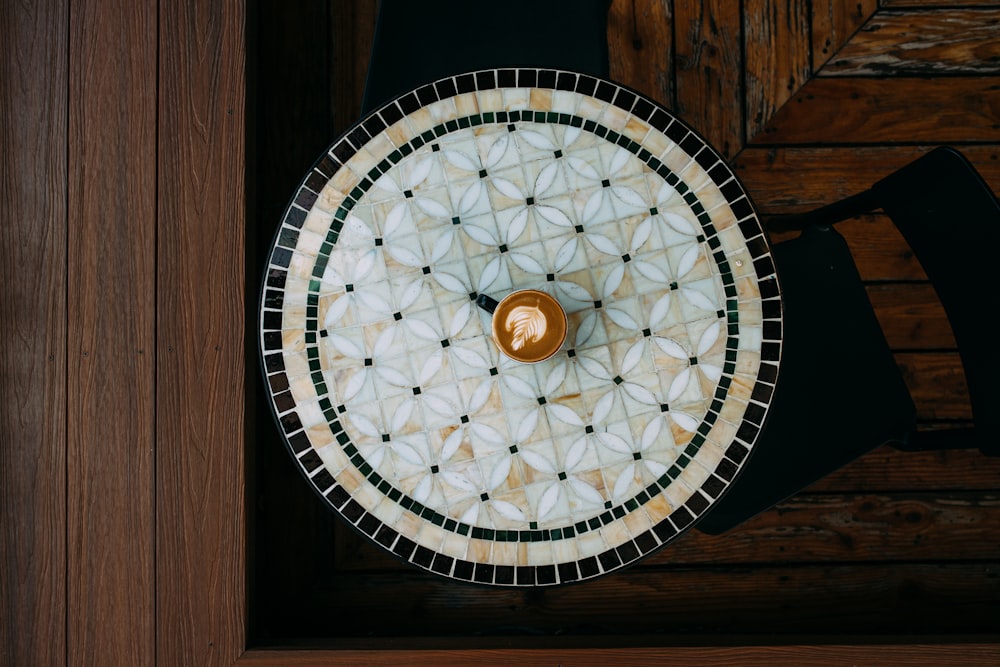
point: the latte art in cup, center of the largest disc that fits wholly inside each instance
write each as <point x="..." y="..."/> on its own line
<point x="529" y="326"/>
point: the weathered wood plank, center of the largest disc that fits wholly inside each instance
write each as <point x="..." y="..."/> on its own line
<point x="888" y="469"/>
<point x="110" y="414"/>
<point x="911" y="316"/>
<point x="776" y="36"/>
<point x="922" y="43"/>
<point x="201" y="344"/>
<point x="928" y="654"/>
<point x="709" y="67"/>
<point x="33" y="191"/>
<point x="810" y="528"/>
<point x="640" y="43"/>
<point x="794" y="180"/>
<point x="834" y="22"/>
<point x="937" y="383"/>
<point x="671" y="601"/>
<point x="880" y="111"/>
<point x="938" y="3"/>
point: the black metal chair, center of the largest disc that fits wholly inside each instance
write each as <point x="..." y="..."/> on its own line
<point x="840" y="393"/>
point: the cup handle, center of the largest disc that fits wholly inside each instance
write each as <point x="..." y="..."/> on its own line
<point x="487" y="303"/>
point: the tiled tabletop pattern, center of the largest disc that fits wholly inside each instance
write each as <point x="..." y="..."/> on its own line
<point x="394" y="399"/>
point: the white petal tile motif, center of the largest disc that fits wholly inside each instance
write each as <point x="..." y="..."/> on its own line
<point x="399" y="408"/>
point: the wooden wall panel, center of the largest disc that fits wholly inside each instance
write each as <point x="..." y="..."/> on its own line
<point x="202" y="347"/>
<point x="33" y="189"/>
<point x="112" y="269"/>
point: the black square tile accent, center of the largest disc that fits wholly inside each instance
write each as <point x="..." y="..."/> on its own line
<point x="545" y="574"/>
<point x="343" y="152"/>
<point x="726" y="469"/>
<point x="504" y="574"/>
<point x="642" y="109"/>
<point x="486" y="80"/>
<point x="391" y="114"/>
<point x="566" y="81"/>
<point x="463" y="570"/>
<point x="767" y="373"/>
<point x="665" y="531"/>
<point x="299" y="442"/>
<point x="737" y="452"/>
<point x="707" y="158"/>
<point x="386" y="536"/>
<point x="290" y="423"/>
<point x="625" y="100"/>
<point x="742" y="209"/>
<point x="754" y="414"/>
<point x="310" y="460"/>
<point x="660" y="119"/>
<point x="609" y="560"/>
<point x="527" y="78"/>
<point x="681" y="517"/>
<point x="465" y="83"/>
<point x="284" y="401"/>
<point x="586" y="85"/>
<point x="442" y="564"/>
<point x="422" y="556"/>
<point x="316" y="180"/>
<point x="352" y="511"/>
<point x="272" y="340"/>
<point x="692" y="144"/>
<point x="696" y="503"/>
<point x="278" y="382"/>
<point x="369" y="524"/>
<point x="588" y="567"/>
<point x="628" y="552"/>
<point x="276" y="278"/>
<point x="525" y="575"/>
<point x="408" y="103"/>
<point x="337" y="496"/>
<point x="646" y="542"/>
<point x="373" y="125"/>
<point x="676" y="132"/>
<point x="507" y="78"/>
<point x="484" y="573"/>
<point x="605" y="91"/>
<point x="445" y="88"/>
<point x="546" y="78"/>
<point x="281" y="257"/>
<point x="358" y="136"/>
<point x="713" y="486"/>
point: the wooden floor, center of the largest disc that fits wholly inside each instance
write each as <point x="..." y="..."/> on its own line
<point x="809" y="101"/>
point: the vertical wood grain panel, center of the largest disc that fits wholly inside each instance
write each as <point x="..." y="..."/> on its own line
<point x="710" y="71"/>
<point x="773" y="75"/>
<point x="112" y="209"/>
<point x="833" y="23"/>
<point x="33" y="185"/>
<point x="201" y="333"/>
<point x="640" y="47"/>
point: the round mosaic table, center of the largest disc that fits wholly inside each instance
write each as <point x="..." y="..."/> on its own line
<point x="393" y="398"/>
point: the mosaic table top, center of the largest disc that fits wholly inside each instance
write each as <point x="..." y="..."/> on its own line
<point x="390" y="392"/>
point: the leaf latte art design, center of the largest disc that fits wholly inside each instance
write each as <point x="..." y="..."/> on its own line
<point x="527" y="324"/>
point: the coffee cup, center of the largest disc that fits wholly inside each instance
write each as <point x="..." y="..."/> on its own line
<point x="528" y="325"/>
